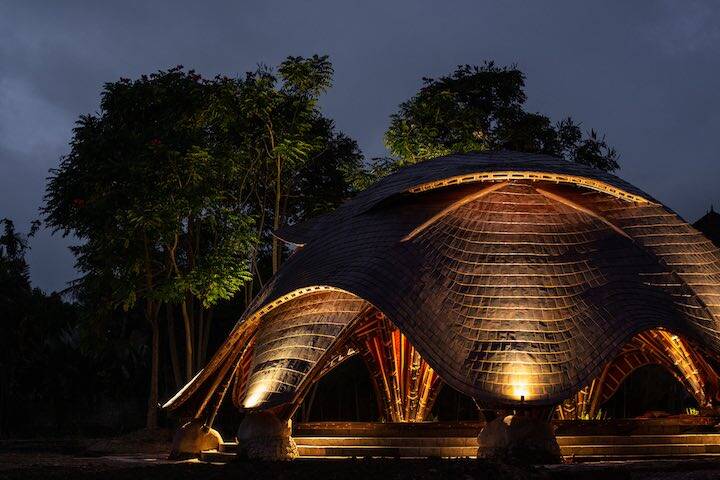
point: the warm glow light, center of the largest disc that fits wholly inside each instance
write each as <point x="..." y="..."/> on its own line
<point x="520" y="382"/>
<point x="535" y="176"/>
<point x="521" y="391"/>
<point x="256" y="395"/>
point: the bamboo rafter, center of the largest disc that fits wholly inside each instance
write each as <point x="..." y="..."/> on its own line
<point x="533" y="176"/>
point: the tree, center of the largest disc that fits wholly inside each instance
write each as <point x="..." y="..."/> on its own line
<point x="14" y="304"/>
<point x="175" y="187"/>
<point x="155" y="189"/>
<point x="301" y="166"/>
<point x="331" y="174"/>
<point x="481" y="108"/>
<point x="283" y="108"/>
<point x="57" y="364"/>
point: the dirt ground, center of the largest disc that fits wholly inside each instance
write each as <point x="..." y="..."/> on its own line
<point x="117" y="459"/>
<point x="52" y="466"/>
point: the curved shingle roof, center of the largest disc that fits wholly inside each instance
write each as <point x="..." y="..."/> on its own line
<point x="508" y="272"/>
<point x="456" y="169"/>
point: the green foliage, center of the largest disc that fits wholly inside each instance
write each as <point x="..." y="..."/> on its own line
<point x="331" y="174"/>
<point x="481" y="108"/>
<point x="300" y="165"/>
<point x="14" y="272"/>
<point x="175" y="186"/>
<point x="307" y="76"/>
<point x="154" y="186"/>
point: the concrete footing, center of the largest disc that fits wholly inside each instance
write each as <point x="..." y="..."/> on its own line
<point x="519" y="439"/>
<point x="193" y="438"/>
<point x="263" y="436"/>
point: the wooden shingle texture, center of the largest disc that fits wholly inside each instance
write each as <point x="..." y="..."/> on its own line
<point x="524" y="283"/>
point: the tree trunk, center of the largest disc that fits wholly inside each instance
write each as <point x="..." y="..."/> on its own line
<point x="152" y="309"/>
<point x="4" y="401"/>
<point x="206" y="337"/>
<point x="200" y="324"/>
<point x="357" y="403"/>
<point x="276" y="221"/>
<point x="152" y="413"/>
<point x="188" y="341"/>
<point x="174" y="359"/>
<point x="306" y="413"/>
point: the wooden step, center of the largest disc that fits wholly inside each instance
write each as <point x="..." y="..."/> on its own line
<point x="636" y="450"/>
<point x="214" y="456"/>
<point x="388" y="441"/>
<point x="373" y="429"/>
<point x="580" y="448"/>
<point x="616" y="458"/>
<point x="228" y="447"/>
<point x="691" y="438"/>
<point x="386" y="451"/>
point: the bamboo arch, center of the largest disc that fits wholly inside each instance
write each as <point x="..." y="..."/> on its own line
<point x="651" y="347"/>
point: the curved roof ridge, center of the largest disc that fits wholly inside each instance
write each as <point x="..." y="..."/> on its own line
<point x="450" y="170"/>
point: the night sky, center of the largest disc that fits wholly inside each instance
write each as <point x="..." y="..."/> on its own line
<point x="644" y="73"/>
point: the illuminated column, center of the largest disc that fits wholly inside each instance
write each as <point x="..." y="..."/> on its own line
<point x="405" y="385"/>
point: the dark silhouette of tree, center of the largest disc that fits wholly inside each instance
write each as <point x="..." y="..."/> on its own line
<point x="58" y="361"/>
<point x="482" y="108"/>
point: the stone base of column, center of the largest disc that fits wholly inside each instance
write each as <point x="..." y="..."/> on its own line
<point x="519" y="439"/>
<point x="263" y="436"/>
<point x="193" y="438"/>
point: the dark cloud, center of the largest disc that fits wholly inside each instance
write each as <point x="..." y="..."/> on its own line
<point x="644" y="73"/>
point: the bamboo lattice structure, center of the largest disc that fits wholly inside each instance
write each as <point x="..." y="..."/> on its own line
<point x="405" y="385"/>
<point x="651" y="347"/>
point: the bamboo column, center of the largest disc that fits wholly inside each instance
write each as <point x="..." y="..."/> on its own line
<point x="405" y="385"/>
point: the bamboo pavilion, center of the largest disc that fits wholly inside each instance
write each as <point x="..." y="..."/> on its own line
<point x="520" y="280"/>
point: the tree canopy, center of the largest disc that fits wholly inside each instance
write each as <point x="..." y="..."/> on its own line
<point x="481" y="108"/>
<point x="174" y="187"/>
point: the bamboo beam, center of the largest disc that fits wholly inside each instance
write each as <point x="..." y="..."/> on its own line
<point x="451" y="208"/>
<point x="509" y="175"/>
